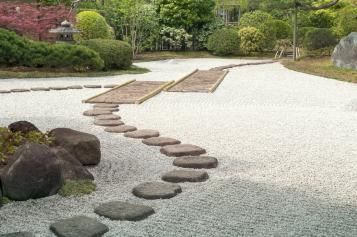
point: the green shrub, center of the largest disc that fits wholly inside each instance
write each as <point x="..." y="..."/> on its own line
<point x="77" y="188"/>
<point x="282" y="28"/>
<point x="92" y="25"/>
<point x="116" y="54"/>
<point x="319" y="38"/>
<point x="322" y="18"/>
<point x="302" y="31"/>
<point x="346" y="21"/>
<point x="251" y="40"/>
<point x="19" y="51"/>
<point x="224" y="42"/>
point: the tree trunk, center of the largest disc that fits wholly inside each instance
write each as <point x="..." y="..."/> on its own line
<point x="295" y="36"/>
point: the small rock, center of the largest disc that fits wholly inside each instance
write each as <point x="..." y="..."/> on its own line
<point x="182" y="150"/>
<point x="40" y="89"/>
<point x="106" y="105"/>
<point x="95" y="112"/>
<point x="79" y="226"/>
<point x="4" y="92"/>
<point x="58" y="88"/>
<point x="20" y="90"/>
<point x="120" y="129"/>
<point x="160" y="141"/>
<point x="23" y="126"/>
<point x="178" y="176"/>
<point x="18" y="234"/>
<point x="92" y="86"/>
<point x="196" y="162"/>
<point x="110" y="86"/>
<point x="156" y="190"/>
<point x="108" y="123"/>
<point x="108" y="117"/>
<point x="75" y="87"/>
<point x="142" y="134"/>
<point x="124" y="211"/>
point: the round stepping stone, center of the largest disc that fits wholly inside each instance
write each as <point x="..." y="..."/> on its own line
<point x="108" y="117"/>
<point x="160" y="141"/>
<point x="20" y="90"/>
<point x="106" y="106"/>
<point x="40" y="89"/>
<point x="182" y="150"/>
<point x="107" y="109"/>
<point x="108" y="123"/>
<point x="75" y="87"/>
<point x="156" y="190"/>
<point x="95" y="112"/>
<point x="178" y="176"/>
<point x="110" y="86"/>
<point x="196" y="162"/>
<point x="18" y="234"/>
<point x="58" y="88"/>
<point x="124" y="211"/>
<point x="4" y="92"/>
<point x="142" y="134"/>
<point x="120" y="129"/>
<point x="92" y="86"/>
<point x="79" y="226"/>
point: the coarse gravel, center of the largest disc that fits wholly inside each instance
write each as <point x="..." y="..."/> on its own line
<point x="285" y="141"/>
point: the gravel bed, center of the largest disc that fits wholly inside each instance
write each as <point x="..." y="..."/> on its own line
<point x="285" y="141"/>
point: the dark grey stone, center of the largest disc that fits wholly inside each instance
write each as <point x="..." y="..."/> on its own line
<point x="18" y="234"/>
<point x="96" y="112"/>
<point x="178" y="176"/>
<point x="345" y="53"/>
<point x="142" y="134"/>
<point x="92" y="86"/>
<point x="106" y="105"/>
<point x="160" y="141"/>
<point x="20" y="90"/>
<point x="40" y="89"/>
<point x="156" y="190"/>
<point x="4" y="92"/>
<point x="32" y="172"/>
<point x="110" y="86"/>
<point x="108" y="123"/>
<point x="124" y="211"/>
<point x="120" y="129"/>
<point x="83" y="146"/>
<point x="75" y="87"/>
<point x="196" y="162"/>
<point x="23" y="127"/>
<point x="182" y="150"/>
<point x="79" y="226"/>
<point x="58" y="88"/>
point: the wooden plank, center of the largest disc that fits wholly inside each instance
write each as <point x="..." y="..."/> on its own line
<point x="155" y="92"/>
<point x="214" y="87"/>
<point x="182" y="79"/>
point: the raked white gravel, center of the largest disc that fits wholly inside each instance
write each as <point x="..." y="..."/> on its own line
<point x="286" y="143"/>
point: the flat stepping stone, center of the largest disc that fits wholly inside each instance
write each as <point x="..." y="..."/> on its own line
<point x="108" y="123"/>
<point x="75" y="87"/>
<point x="4" y="92"/>
<point x="124" y="211"/>
<point x="156" y="190"/>
<point x="18" y="234"/>
<point x="160" y="141"/>
<point x="92" y="86"/>
<point x="110" y="86"/>
<point x="107" y="109"/>
<point x="179" y="176"/>
<point x="95" y="112"/>
<point x="79" y="226"/>
<point x="106" y="106"/>
<point x="58" y="88"/>
<point x="120" y="129"/>
<point x="40" y="89"/>
<point x="142" y="134"/>
<point x="182" y="150"/>
<point x="108" y="117"/>
<point x="196" y="162"/>
<point x="19" y="90"/>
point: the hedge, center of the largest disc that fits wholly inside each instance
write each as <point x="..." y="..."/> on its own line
<point x="224" y="42"/>
<point x="319" y="38"/>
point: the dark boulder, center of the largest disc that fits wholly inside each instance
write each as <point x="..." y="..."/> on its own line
<point x="83" y="146"/>
<point x="23" y="126"/>
<point x="33" y="172"/>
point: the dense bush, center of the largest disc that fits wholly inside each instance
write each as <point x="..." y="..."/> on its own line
<point x="322" y="18"/>
<point x="302" y="31"/>
<point x="282" y="28"/>
<point x="319" y="38"/>
<point x="18" y="51"/>
<point x="251" y="40"/>
<point x="224" y="42"/>
<point x="116" y="54"/>
<point x="92" y="25"/>
<point x="346" y="21"/>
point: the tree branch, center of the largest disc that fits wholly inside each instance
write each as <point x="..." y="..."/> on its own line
<point x="323" y="6"/>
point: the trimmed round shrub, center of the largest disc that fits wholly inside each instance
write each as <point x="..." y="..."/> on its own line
<point x="116" y="54"/>
<point x="251" y="40"/>
<point x="302" y="31"/>
<point x="224" y="42"/>
<point x="92" y="25"/>
<point x="319" y="38"/>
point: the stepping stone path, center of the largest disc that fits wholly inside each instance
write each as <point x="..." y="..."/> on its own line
<point x="110" y="86"/>
<point x="105" y="106"/>
<point x="120" y="129"/>
<point x="18" y="234"/>
<point x="108" y="117"/>
<point x="96" y="112"/>
<point x="142" y="134"/>
<point x="4" y="92"/>
<point x="178" y="176"/>
<point x="108" y="123"/>
<point x="107" y="109"/>
<point x="79" y="226"/>
<point x="58" y="88"/>
<point x="124" y="211"/>
<point x="160" y="141"/>
<point x="156" y="190"/>
<point x="40" y="89"/>
<point x="196" y="162"/>
<point x="20" y="90"/>
<point x="75" y="87"/>
<point x="182" y="150"/>
<point x="92" y="86"/>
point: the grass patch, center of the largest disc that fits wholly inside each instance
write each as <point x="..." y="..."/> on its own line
<point x="18" y="72"/>
<point x="4" y="201"/>
<point x="321" y="66"/>
<point x="77" y="188"/>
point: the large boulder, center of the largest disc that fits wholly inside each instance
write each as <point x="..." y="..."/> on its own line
<point x="71" y="168"/>
<point x="345" y="53"/>
<point x="33" y="172"/>
<point x="23" y="127"/>
<point x="83" y="146"/>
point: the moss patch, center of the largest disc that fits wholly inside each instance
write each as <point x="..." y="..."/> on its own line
<point x="4" y="201"/>
<point x="77" y="188"/>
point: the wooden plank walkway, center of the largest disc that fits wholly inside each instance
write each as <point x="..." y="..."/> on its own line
<point x="131" y="92"/>
<point x="199" y="81"/>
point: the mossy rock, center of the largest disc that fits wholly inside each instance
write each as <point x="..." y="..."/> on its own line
<point x="77" y="188"/>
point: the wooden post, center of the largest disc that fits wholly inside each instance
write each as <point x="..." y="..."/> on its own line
<point x="295" y="30"/>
